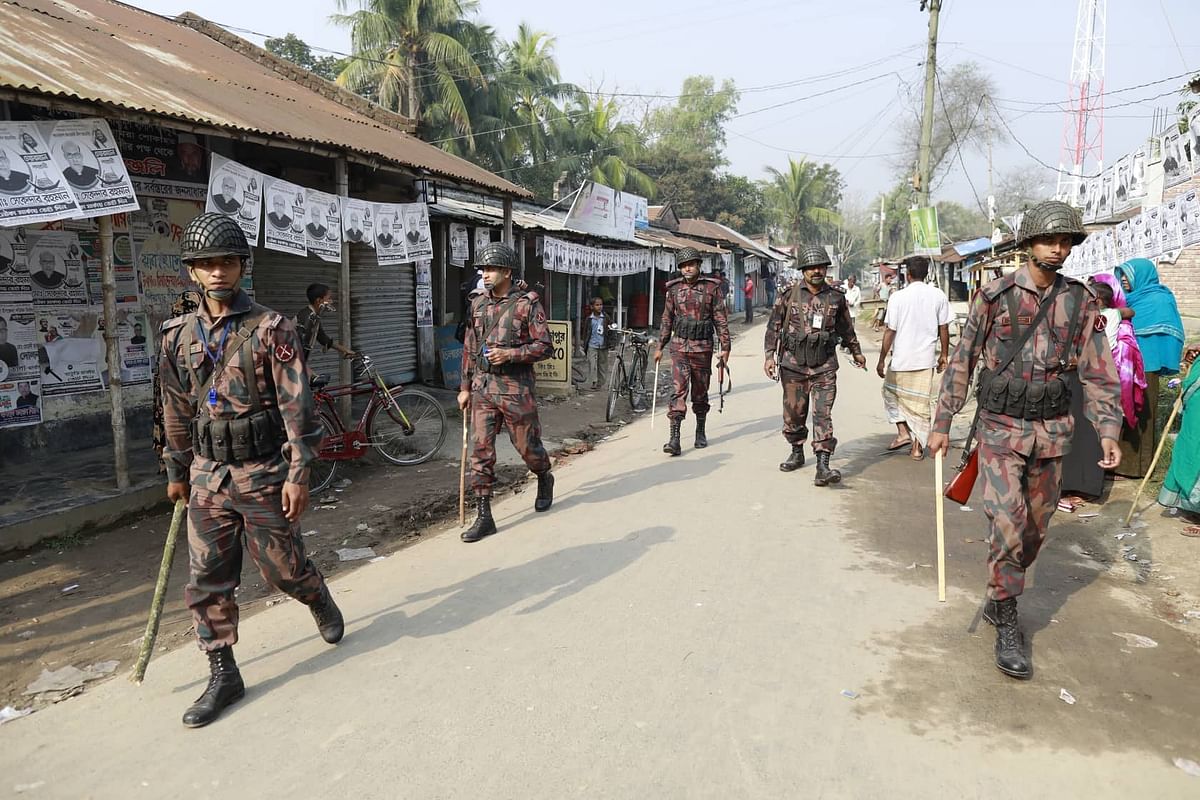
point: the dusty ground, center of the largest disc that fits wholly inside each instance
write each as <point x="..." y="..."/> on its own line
<point x="44" y="627"/>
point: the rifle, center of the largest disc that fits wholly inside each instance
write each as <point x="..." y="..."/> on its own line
<point x="723" y="372"/>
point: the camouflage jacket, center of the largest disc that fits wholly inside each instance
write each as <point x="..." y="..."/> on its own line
<point x="273" y="359"/>
<point x="516" y="321"/>
<point x="794" y="314"/>
<point x="701" y="300"/>
<point x="989" y="333"/>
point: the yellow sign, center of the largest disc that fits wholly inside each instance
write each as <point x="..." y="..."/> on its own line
<point x="556" y="370"/>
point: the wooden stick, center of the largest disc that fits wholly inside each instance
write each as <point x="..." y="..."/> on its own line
<point x="160" y="596"/>
<point x="462" y="475"/>
<point x="941" y="526"/>
<point x="1154" y="461"/>
<point x="654" y="396"/>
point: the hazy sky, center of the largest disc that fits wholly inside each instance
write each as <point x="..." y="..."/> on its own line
<point x="877" y="46"/>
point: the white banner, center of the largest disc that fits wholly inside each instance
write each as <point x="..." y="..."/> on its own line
<point x="358" y="221"/>
<point x="236" y="191"/>
<point x="323" y="231"/>
<point x="32" y="187"/>
<point x="287" y="212"/>
<point x="85" y="150"/>
<point x="600" y="211"/>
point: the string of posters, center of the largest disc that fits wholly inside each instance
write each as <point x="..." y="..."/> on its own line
<point x="582" y="259"/>
<point x="1155" y="232"/>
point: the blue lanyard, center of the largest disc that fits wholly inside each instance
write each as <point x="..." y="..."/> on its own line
<point x="213" y="355"/>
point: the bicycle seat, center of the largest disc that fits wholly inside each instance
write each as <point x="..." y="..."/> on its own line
<point x="638" y="338"/>
<point x="319" y="382"/>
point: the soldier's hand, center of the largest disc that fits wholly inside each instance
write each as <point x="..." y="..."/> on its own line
<point x="1112" y="454"/>
<point x="725" y="357"/>
<point x="498" y="355"/>
<point x="464" y="400"/>
<point x="938" y="443"/>
<point x="177" y="490"/>
<point x="861" y="361"/>
<point x="295" y="501"/>
<point x="770" y="368"/>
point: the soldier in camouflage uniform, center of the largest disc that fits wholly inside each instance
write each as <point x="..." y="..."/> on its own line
<point x="1024" y="421"/>
<point x="694" y="311"/>
<point x="506" y="334"/>
<point x="240" y="430"/>
<point x="801" y="350"/>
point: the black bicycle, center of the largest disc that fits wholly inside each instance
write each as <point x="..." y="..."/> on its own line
<point x="631" y="382"/>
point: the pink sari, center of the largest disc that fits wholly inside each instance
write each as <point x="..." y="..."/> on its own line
<point x="1128" y="357"/>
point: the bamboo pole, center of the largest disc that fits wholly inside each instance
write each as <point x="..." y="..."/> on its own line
<point x="160" y="595"/>
<point x="940" y="502"/>
<point x="112" y="354"/>
<point x="462" y="475"/>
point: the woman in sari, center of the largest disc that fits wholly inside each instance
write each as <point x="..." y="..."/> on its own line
<point x="1181" y="489"/>
<point x="1159" y="332"/>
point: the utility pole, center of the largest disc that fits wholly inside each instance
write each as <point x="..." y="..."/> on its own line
<point x="923" y="155"/>
<point x="882" y="217"/>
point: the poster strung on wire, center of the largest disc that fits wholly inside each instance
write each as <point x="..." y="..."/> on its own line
<point x="86" y="153"/>
<point x="601" y="211"/>
<point x="424" y="294"/>
<point x="926" y="235"/>
<point x="323" y="231"/>
<point x="32" y="187"/>
<point x="287" y="213"/>
<point x="418" y="239"/>
<point x="20" y="403"/>
<point x="1189" y="217"/>
<point x="235" y="190"/>
<point x="459" y="244"/>
<point x="1176" y="157"/>
<point x="483" y="237"/>
<point x="15" y="285"/>
<point x="358" y="221"/>
<point x="56" y="268"/>
<point x="389" y="234"/>
<point x="70" y="351"/>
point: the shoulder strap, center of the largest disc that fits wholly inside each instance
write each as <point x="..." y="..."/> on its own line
<point x="1064" y="350"/>
<point x="239" y="345"/>
<point x="1024" y="337"/>
<point x="490" y="328"/>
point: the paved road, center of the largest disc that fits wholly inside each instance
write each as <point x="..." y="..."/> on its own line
<point x="673" y="628"/>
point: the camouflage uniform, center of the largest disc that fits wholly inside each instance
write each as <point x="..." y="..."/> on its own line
<point x="793" y="316"/>
<point x="1020" y="460"/>
<point x="691" y="359"/>
<point x="229" y="499"/>
<point x="504" y="396"/>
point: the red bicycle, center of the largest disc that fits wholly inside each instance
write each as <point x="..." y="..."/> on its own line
<point x="406" y="426"/>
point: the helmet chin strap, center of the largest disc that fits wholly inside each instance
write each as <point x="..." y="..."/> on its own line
<point x="220" y="295"/>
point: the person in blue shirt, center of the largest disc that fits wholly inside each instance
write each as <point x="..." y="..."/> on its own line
<point x="593" y="332"/>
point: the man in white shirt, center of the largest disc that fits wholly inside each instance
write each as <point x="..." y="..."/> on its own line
<point x="917" y="334"/>
<point x="853" y="295"/>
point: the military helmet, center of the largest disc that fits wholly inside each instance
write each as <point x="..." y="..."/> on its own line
<point x="1050" y="218"/>
<point x="212" y="235"/>
<point x="812" y="255"/>
<point x="497" y="254"/>
<point x="687" y="254"/>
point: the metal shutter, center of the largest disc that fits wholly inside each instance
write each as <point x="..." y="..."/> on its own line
<point x="383" y="314"/>
<point x="280" y="283"/>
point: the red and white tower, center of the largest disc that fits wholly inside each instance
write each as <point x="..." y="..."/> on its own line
<point x="1083" y="129"/>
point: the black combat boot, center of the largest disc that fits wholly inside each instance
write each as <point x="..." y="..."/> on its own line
<point x="484" y="525"/>
<point x="795" y="459"/>
<point x="328" y="618"/>
<point x="671" y="448"/>
<point x="545" y="493"/>
<point x="1010" y="658"/>
<point x="701" y="438"/>
<point x="825" y="475"/>
<point x="225" y="688"/>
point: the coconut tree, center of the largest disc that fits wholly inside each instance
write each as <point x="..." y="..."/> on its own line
<point x="804" y="198"/>
<point x="600" y="147"/>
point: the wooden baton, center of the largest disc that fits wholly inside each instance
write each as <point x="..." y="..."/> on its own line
<point x="941" y="526"/>
<point x="462" y="475"/>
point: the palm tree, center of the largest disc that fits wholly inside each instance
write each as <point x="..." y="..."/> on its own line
<point x="798" y="195"/>
<point x="600" y="147"/>
<point x="407" y="52"/>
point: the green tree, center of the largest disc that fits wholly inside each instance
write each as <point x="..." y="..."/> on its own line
<point x="959" y="223"/>
<point x="296" y="50"/>
<point x="600" y="147"/>
<point x="804" y="199"/>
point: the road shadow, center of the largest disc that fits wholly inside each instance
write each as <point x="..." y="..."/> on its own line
<point x="693" y="464"/>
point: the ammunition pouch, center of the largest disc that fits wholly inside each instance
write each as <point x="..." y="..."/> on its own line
<point x="232" y="441"/>
<point x="811" y="349"/>
<point x="694" y="329"/>
<point x="1017" y="398"/>
<point x="488" y="368"/>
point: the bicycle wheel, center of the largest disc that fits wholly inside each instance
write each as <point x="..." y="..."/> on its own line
<point x="321" y="471"/>
<point x="616" y="387"/>
<point x="637" y="383"/>
<point x="414" y="443"/>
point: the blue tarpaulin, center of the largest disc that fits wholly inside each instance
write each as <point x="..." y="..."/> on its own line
<point x="973" y="246"/>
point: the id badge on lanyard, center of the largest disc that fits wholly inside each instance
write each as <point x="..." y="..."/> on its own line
<point x="818" y="320"/>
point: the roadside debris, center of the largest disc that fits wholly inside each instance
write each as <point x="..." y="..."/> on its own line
<point x="343" y="483"/>
<point x="354" y="553"/>
<point x="362" y="527"/>
<point x="1136" y="640"/>
<point x="8" y="713"/>
<point x="850" y="693"/>
<point x="379" y="507"/>
<point x="1066" y="697"/>
<point x="69" y="677"/>
<point x="68" y="589"/>
<point x="1188" y="766"/>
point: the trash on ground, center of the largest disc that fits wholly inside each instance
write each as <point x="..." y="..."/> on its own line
<point x="1125" y="535"/>
<point x="330" y="498"/>
<point x="1136" y="640"/>
<point x="1131" y="557"/>
<point x="1188" y="614"/>
<point x="8" y="713"/>
<point x="965" y="508"/>
<point x="29" y="634"/>
<point x="1089" y="516"/>
<point x="1188" y="766"/>
<point x="69" y="677"/>
<point x="380" y="508"/>
<point x="274" y="601"/>
<point x="850" y="693"/>
<point x="71" y="588"/>
<point x="378" y="558"/>
<point x="362" y="526"/>
<point x="327" y="508"/>
<point x="313" y="532"/>
<point x="343" y="483"/>
<point x="1139" y="524"/>
<point x="354" y="553"/>
<point x="1066" y="697"/>
<point x="913" y="565"/>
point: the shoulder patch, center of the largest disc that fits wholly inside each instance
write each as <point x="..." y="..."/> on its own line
<point x="532" y="297"/>
<point x="175" y="322"/>
<point x="997" y="287"/>
<point x="674" y="281"/>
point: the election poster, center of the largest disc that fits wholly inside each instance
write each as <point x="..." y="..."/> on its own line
<point x="1172" y="234"/>
<point x="32" y="187"/>
<point x="162" y="162"/>
<point x="1153" y="231"/>
<point x="1192" y="139"/>
<point x="418" y="240"/>
<point x="926" y="234"/>
<point x="1104" y="195"/>
<point x="235" y="190"/>
<point x="389" y="234"/>
<point x="20" y="403"/>
<point x="358" y="222"/>
<point x="286" y="216"/>
<point x="134" y="348"/>
<point x="601" y="211"/>
<point x="1189" y="217"/>
<point x="123" y="268"/>
<point x="70" y="351"/>
<point x="459" y="244"/>
<point x="323" y="231"/>
<point x="483" y="237"/>
<point x="1122" y="193"/>
<point x="86" y="153"/>
<point x="161" y="275"/>
<point x="56" y="268"/>
<point x="15" y="285"/>
<point x="1177" y="161"/>
<point x="18" y="345"/>
<point x="424" y="294"/>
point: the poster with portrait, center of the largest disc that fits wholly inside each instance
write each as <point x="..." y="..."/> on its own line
<point x="1123" y="240"/>
<point x="32" y="188"/>
<point x="424" y="294"/>
<point x="70" y="351"/>
<point x="483" y="237"/>
<point x="1137" y="175"/>
<point x="1177" y="163"/>
<point x="323" y="229"/>
<point x="1123" y="179"/>
<point x="358" y="222"/>
<point x="15" y="285"/>
<point x="286" y="216"/>
<point x="86" y="153"/>
<point x="56" y="268"/>
<point x="162" y="162"/>
<point x="1191" y="140"/>
<point x="18" y="345"/>
<point x="124" y="273"/>
<point x="20" y="403"/>
<point x="1153" y="231"/>
<point x="1172" y="234"/>
<point x="418" y="239"/>
<point x="460" y="244"/>
<point x="1189" y="217"/>
<point x="1090" y="190"/>
<point x="389" y="234"/>
<point x="135" y="347"/>
<point x="236" y="191"/>
<point x="1104" y="195"/>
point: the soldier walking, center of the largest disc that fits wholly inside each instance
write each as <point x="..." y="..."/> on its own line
<point x="240" y="430"/>
<point x="506" y="334"/>
<point x="1029" y="329"/>
<point x="693" y="312"/>
<point x="801" y="351"/>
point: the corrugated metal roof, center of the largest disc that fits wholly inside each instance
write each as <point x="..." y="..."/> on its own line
<point x="107" y="52"/>
<point x="656" y="237"/>
<point x="715" y="230"/>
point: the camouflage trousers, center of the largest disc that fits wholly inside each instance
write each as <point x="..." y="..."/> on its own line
<point x="801" y="392"/>
<point x="690" y="372"/>
<point x="1020" y="494"/>
<point x="217" y="523"/>
<point x="518" y="413"/>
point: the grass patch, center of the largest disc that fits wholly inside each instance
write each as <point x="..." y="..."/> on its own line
<point x="67" y="541"/>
